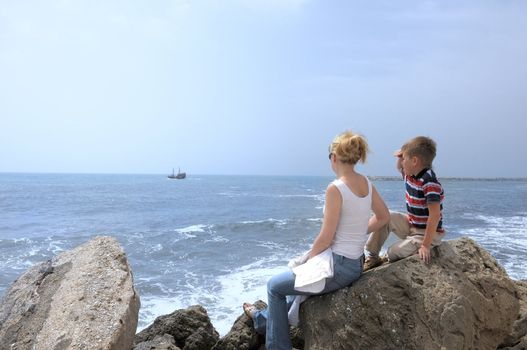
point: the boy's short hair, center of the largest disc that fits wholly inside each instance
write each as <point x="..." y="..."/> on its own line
<point x="422" y="147"/>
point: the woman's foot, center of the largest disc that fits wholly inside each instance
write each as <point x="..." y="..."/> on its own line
<point x="250" y="310"/>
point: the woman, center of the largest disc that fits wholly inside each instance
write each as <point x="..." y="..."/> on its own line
<point x="350" y="200"/>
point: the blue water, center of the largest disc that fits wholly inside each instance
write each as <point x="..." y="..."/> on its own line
<point x="215" y="240"/>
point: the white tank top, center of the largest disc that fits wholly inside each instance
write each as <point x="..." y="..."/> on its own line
<point x="352" y="229"/>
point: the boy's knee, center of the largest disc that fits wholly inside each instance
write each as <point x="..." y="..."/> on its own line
<point x="391" y="255"/>
<point x="396" y="252"/>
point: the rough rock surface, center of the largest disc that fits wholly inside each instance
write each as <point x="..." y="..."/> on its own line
<point x="462" y="300"/>
<point x="191" y="329"/>
<point x="242" y="335"/>
<point x="160" y="342"/>
<point x="81" y="299"/>
<point x="517" y="340"/>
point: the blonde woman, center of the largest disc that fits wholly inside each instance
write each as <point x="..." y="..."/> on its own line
<point x="350" y="201"/>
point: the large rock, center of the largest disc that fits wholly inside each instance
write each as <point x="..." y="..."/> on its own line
<point x="517" y="340"/>
<point x="462" y="300"/>
<point x="191" y="329"/>
<point x="81" y="299"/>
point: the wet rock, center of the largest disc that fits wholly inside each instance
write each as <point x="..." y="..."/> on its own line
<point x="191" y="329"/>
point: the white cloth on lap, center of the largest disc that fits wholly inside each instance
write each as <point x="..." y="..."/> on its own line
<point x="310" y="276"/>
<point x="294" y="310"/>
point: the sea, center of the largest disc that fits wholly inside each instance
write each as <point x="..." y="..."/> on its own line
<point x="216" y="240"/>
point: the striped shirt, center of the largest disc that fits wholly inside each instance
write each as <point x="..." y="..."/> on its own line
<point x="421" y="190"/>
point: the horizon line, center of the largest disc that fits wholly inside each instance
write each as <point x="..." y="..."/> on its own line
<point x="378" y="177"/>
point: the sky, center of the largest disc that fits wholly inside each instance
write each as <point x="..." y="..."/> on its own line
<point x="260" y="87"/>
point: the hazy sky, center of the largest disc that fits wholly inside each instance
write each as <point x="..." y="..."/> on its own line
<point x="260" y="86"/>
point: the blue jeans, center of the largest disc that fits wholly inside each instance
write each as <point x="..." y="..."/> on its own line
<point x="273" y="320"/>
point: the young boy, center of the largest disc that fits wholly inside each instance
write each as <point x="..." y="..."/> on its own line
<point x="421" y="228"/>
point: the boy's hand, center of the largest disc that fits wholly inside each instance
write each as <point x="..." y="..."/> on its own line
<point x="424" y="254"/>
<point x="399" y="155"/>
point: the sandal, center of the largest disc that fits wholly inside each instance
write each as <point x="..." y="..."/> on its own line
<point x="250" y="310"/>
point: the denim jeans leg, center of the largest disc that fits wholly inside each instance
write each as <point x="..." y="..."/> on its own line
<point x="345" y="272"/>
<point x="282" y="285"/>
<point x="260" y="320"/>
<point x="278" y="287"/>
<point x="261" y="316"/>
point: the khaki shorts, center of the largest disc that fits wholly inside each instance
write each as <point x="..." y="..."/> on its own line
<point x="411" y="238"/>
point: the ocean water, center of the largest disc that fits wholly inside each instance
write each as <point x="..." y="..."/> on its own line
<point x="216" y="240"/>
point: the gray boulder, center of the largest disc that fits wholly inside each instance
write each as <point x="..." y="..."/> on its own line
<point x="462" y="300"/>
<point x="80" y="299"/>
<point x="191" y="329"/>
<point x="517" y="340"/>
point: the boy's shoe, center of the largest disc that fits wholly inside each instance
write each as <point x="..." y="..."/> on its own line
<point x="374" y="261"/>
<point x="371" y="262"/>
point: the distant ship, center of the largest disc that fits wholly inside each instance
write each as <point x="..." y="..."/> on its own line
<point x="179" y="175"/>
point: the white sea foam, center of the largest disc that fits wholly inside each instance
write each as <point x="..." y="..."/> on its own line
<point x="315" y="219"/>
<point x="504" y="222"/>
<point x="32" y="251"/>
<point x="143" y="279"/>
<point x="192" y="228"/>
<point x="315" y="196"/>
<point x="271" y="245"/>
<point x="217" y="238"/>
<point x="279" y="222"/>
<point x="56" y="246"/>
<point x="152" y="307"/>
<point x="190" y="232"/>
<point x="16" y="263"/>
<point x="234" y="194"/>
<point x="506" y="239"/>
<point x="222" y="298"/>
<point x="157" y="247"/>
<point x="22" y="254"/>
<point x="193" y="291"/>
<point x="245" y="284"/>
<point x="21" y="240"/>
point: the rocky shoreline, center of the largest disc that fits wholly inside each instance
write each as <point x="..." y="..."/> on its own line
<point x="85" y="299"/>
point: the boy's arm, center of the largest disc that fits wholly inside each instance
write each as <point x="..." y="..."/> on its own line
<point x="434" y="215"/>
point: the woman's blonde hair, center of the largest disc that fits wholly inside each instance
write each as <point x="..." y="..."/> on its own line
<point x="350" y="148"/>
